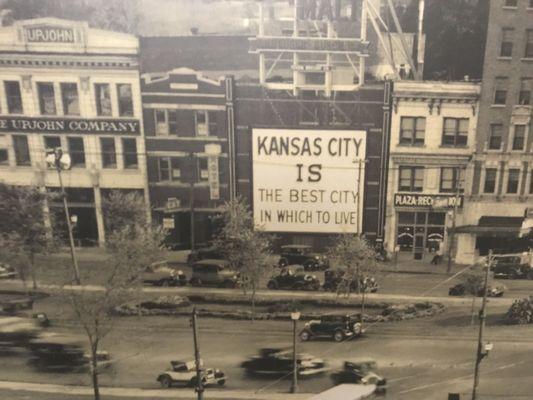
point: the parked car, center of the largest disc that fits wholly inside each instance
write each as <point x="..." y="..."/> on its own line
<point x="294" y="277"/>
<point x="160" y="274"/>
<point x="360" y="372"/>
<point x="184" y="373"/>
<point x="279" y="362"/>
<point x="337" y="327"/>
<point x="7" y="271"/>
<point x="214" y="273"/>
<point x="334" y="277"/>
<point x="302" y="255"/>
<point x="205" y="253"/>
<point x="496" y="289"/>
<point x="512" y="266"/>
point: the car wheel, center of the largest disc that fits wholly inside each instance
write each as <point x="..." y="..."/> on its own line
<point x="272" y="285"/>
<point x="221" y="382"/>
<point x="283" y="262"/>
<point x="165" y="381"/>
<point x="309" y="266"/>
<point x="338" y="336"/>
<point x="304" y="336"/>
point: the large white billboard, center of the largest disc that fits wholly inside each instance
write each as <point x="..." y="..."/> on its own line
<point x="308" y="180"/>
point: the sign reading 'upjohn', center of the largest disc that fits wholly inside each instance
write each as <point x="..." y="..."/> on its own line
<point x="64" y="125"/>
<point x="50" y="34"/>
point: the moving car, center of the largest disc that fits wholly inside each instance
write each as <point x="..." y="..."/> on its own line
<point x="360" y="372"/>
<point x="294" y="277"/>
<point x="17" y="330"/>
<point x="302" y="255"/>
<point x="205" y="253"/>
<point x="57" y="352"/>
<point x="7" y="272"/>
<point x="334" y="277"/>
<point x="494" y="290"/>
<point x="214" y="273"/>
<point x="160" y="274"/>
<point x="511" y="266"/>
<point x="337" y="327"/>
<point x="184" y="373"/>
<point x="279" y="362"/>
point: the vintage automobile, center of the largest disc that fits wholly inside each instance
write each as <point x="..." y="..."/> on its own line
<point x="15" y="330"/>
<point x="496" y="289"/>
<point x="302" y="255"/>
<point x="279" y="362"/>
<point x="184" y="373"/>
<point x="334" y="277"/>
<point x="337" y="327"/>
<point x="214" y="273"/>
<point x="58" y="353"/>
<point x="160" y="274"/>
<point x="511" y="266"/>
<point x="360" y="372"/>
<point x="204" y="253"/>
<point x="294" y="277"/>
<point x="7" y="272"/>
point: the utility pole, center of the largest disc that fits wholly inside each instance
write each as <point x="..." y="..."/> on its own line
<point x="481" y="352"/>
<point x="199" y="384"/>
<point x="295" y="316"/>
<point x="191" y="197"/>
<point x="451" y="236"/>
<point x="58" y="154"/>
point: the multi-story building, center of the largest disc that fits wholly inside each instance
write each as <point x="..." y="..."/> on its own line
<point x="432" y="139"/>
<point x="502" y="188"/>
<point x="65" y="85"/>
<point x="187" y="121"/>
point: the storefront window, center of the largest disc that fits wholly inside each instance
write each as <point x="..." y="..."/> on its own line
<point x="420" y="229"/>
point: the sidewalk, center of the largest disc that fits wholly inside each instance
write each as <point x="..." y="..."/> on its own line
<point x="406" y="264"/>
<point x="176" y="393"/>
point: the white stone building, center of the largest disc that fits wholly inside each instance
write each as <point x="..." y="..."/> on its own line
<point x="63" y="84"/>
<point x="432" y="139"/>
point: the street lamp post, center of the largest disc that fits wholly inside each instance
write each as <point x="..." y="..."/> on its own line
<point x="62" y="161"/>
<point x="295" y="316"/>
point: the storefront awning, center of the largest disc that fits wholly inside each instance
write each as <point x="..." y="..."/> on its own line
<point x="493" y="226"/>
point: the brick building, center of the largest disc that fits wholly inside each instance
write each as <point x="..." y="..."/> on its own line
<point x="502" y="187"/>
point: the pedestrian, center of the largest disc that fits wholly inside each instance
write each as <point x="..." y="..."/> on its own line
<point x="437" y="258"/>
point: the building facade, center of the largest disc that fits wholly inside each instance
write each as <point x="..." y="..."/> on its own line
<point x="188" y="123"/>
<point x="433" y="130"/>
<point x="502" y="188"/>
<point x="66" y="85"/>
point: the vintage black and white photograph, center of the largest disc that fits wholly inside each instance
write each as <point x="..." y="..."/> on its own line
<point x="266" y="199"/>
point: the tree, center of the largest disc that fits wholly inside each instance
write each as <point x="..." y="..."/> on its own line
<point x="130" y="248"/>
<point x="120" y="208"/>
<point x="246" y="247"/>
<point x="355" y="254"/>
<point x="24" y="233"/>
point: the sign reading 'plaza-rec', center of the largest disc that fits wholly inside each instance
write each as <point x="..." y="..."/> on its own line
<point x="64" y="125"/>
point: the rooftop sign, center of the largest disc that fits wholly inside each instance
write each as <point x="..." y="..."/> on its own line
<point x="308" y="45"/>
<point x="49" y="34"/>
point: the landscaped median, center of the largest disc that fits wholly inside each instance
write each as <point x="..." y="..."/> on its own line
<point x="237" y="306"/>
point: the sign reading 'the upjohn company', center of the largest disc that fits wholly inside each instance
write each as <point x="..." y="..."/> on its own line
<point x="308" y="180"/>
<point x="64" y="125"/>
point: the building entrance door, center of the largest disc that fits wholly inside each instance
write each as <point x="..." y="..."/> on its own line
<point x="419" y="232"/>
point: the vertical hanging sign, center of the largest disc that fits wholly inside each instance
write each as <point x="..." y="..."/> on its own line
<point x="213" y="151"/>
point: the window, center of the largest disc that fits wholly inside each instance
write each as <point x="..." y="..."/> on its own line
<point x="22" y="151"/>
<point x="529" y="44"/>
<point x="495" y="138"/>
<point x="125" y="101"/>
<point x="512" y="180"/>
<point x="455" y="132"/>
<point x="169" y="169"/>
<point x="500" y="91"/>
<point x="202" y="123"/>
<point x="161" y="125"/>
<point x="109" y="154"/>
<point x="69" y="98"/>
<point x="524" y="95"/>
<point x="490" y="180"/>
<point x="203" y="172"/>
<point x="451" y="179"/>
<point x="519" y="137"/>
<point x="412" y="130"/>
<point x="129" y="151"/>
<point x="510" y="3"/>
<point x="411" y="179"/>
<point x="4" y="155"/>
<point x="103" y="99"/>
<point x="14" y="98"/>
<point x="52" y="142"/>
<point x="506" y="47"/>
<point x="47" y="99"/>
<point x="76" y="150"/>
